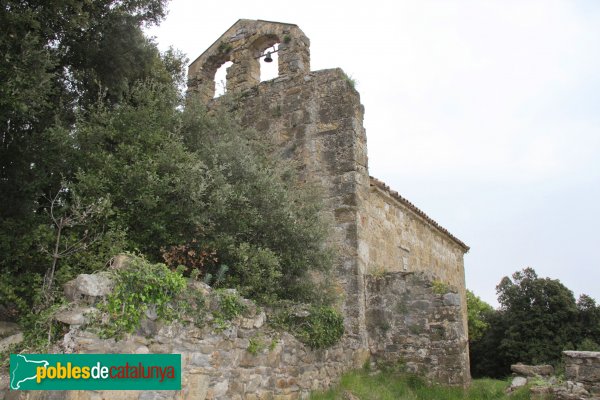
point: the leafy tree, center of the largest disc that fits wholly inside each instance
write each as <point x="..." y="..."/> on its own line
<point x="540" y="315"/>
<point x="58" y="58"/>
<point x="485" y="356"/>
<point x="186" y="179"/>
<point x="588" y="324"/>
<point x="477" y="311"/>
<point x="537" y="320"/>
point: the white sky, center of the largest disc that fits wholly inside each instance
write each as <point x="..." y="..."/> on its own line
<point x="485" y="114"/>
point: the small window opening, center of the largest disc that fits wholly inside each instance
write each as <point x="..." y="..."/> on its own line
<point x="221" y="79"/>
<point x="270" y="70"/>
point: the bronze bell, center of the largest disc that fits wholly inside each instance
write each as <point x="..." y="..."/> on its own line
<point x="268" y="58"/>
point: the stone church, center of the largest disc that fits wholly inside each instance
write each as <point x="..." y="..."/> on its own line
<point x="401" y="274"/>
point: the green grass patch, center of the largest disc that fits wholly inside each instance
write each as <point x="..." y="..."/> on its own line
<point x="389" y="386"/>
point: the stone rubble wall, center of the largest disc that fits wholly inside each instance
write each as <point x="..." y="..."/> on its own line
<point x="583" y="367"/>
<point x="217" y="364"/>
<point x="416" y="326"/>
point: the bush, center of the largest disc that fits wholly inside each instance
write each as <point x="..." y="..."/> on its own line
<point x="318" y="327"/>
<point x="138" y="286"/>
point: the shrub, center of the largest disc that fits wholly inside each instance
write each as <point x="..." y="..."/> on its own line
<point x="319" y="327"/>
<point x="140" y="285"/>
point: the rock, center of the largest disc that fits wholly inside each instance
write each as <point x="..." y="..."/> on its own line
<point x="451" y="299"/>
<point x="10" y="340"/>
<point x="349" y="396"/>
<point x="120" y="261"/>
<point x="517" y="382"/>
<point x="95" y="285"/>
<point x="532" y="370"/>
<point x="8" y="328"/>
<point x="75" y="316"/>
<point x="200" y="287"/>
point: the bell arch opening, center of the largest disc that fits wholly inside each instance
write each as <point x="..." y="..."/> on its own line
<point x="220" y="79"/>
<point x="269" y="64"/>
<point x="267" y="49"/>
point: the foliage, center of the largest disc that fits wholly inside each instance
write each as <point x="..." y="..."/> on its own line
<point x="440" y="287"/>
<point x="91" y="110"/>
<point x="256" y="345"/>
<point x="351" y="81"/>
<point x="196" y="258"/>
<point x="318" y="327"/>
<point x="588" y="344"/>
<point x="58" y="58"/>
<point x="588" y="323"/>
<point x="541" y="315"/>
<point x="477" y="310"/>
<point x="392" y="386"/>
<point x="537" y="320"/>
<point x="139" y="286"/>
<point x="41" y="329"/>
<point x="230" y="305"/>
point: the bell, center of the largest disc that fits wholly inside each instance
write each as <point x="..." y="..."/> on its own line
<point x="268" y="57"/>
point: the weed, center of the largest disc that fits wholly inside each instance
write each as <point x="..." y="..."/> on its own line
<point x="439" y="287"/>
<point x="256" y="345"/>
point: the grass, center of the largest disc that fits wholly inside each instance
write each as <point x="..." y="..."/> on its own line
<point x="388" y="386"/>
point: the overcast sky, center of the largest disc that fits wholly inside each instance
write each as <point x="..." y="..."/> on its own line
<point x="484" y="114"/>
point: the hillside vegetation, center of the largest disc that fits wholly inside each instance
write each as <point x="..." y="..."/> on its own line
<point x="386" y="385"/>
<point x="101" y="154"/>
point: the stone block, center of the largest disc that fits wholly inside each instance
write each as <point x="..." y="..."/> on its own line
<point x="532" y="370"/>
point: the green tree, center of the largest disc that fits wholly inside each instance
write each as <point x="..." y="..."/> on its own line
<point x="177" y="179"/>
<point x="588" y="324"/>
<point x="538" y="319"/>
<point x="477" y="311"/>
<point x="540" y="316"/>
<point x="58" y="58"/>
<point x="484" y="354"/>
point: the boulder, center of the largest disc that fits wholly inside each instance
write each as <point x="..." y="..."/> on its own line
<point x="9" y="334"/>
<point x="9" y="341"/>
<point x="8" y="328"/>
<point x="75" y="316"/>
<point x="95" y="285"/>
<point x="532" y="370"/>
<point x="517" y="382"/>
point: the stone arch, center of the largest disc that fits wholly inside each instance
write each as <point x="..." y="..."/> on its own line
<point x="243" y="44"/>
<point x="260" y="45"/>
<point x="206" y="75"/>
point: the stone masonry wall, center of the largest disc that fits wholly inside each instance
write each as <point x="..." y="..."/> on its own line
<point x="417" y="325"/>
<point x="583" y="367"/>
<point x="397" y="238"/>
<point x="217" y="363"/>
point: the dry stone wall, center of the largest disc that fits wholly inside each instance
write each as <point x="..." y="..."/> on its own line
<point x="246" y="359"/>
<point x="583" y="367"/>
<point x="417" y="326"/>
